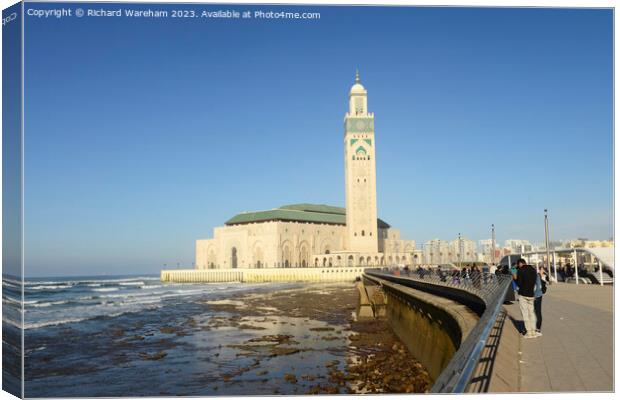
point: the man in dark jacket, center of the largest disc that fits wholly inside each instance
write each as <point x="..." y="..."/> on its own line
<point x="526" y="281"/>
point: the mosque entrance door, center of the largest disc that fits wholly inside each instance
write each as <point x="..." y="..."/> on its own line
<point x="233" y="258"/>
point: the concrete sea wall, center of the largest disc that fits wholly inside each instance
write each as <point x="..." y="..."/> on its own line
<point x="255" y="275"/>
<point x="432" y="327"/>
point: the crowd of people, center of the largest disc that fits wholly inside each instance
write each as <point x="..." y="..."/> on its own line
<point x="529" y="284"/>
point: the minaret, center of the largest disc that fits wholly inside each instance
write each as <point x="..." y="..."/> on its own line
<point x="360" y="172"/>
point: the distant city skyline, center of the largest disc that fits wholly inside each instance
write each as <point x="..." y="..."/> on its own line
<point x="143" y="135"/>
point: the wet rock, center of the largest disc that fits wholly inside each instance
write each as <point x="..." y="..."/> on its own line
<point x="117" y="332"/>
<point x="279" y="339"/>
<point x="332" y="363"/>
<point x="251" y="327"/>
<point x="168" y="329"/>
<point x="283" y="351"/>
<point x="322" y="329"/>
<point x="290" y="378"/>
<point x="156" y="356"/>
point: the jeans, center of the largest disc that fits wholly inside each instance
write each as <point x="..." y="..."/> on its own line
<point x="526" y="304"/>
<point x="538" y="311"/>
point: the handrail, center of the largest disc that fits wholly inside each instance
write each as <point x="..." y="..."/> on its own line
<point x="491" y="289"/>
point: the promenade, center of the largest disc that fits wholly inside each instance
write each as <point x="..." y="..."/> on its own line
<point x="575" y="352"/>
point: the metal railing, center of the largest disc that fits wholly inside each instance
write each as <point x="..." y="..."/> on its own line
<point x="491" y="289"/>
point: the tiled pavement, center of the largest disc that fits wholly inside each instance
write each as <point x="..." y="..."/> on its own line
<point x="575" y="352"/>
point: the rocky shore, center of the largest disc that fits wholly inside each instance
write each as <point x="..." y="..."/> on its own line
<point x="235" y="340"/>
<point x="372" y="360"/>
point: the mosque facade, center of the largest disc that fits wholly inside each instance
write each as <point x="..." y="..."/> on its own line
<point x="316" y="235"/>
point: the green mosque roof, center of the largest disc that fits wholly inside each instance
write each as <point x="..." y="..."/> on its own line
<point x="312" y="213"/>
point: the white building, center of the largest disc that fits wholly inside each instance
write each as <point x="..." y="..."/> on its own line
<point x="518" y="246"/>
<point x="462" y="250"/>
<point x="485" y="250"/>
<point x="310" y="235"/>
<point x="437" y="251"/>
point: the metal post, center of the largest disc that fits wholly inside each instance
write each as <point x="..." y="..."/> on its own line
<point x="600" y="270"/>
<point x="547" y="239"/>
<point x="493" y="244"/>
<point x="460" y="252"/>
<point x="576" y="268"/>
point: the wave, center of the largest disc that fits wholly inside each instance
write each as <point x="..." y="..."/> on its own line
<point x="17" y="324"/>
<point x="55" y="322"/>
<point x="138" y="283"/>
<point x="14" y="284"/>
<point x="146" y="287"/>
<point x="50" y="303"/>
<point x="48" y="287"/>
<point x="57" y="308"/>
<point x="11" y="300"/>
<point x="91" y="281"/>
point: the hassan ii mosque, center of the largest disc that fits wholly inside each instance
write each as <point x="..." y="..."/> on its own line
<point x="316" y="235"/>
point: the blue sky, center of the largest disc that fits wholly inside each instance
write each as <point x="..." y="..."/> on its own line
<point x="144" y="134"/>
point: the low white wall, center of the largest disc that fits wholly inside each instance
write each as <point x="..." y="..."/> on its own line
<point x="253" y="275"/>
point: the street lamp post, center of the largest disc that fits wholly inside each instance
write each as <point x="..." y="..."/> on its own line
<point x="547" y="247"/>
<point x="460" y="252"/>
<point x="493" y="244"/>
<point x="576" y="267"/>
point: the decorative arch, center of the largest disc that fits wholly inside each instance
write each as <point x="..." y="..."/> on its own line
<point x="234" y="257"/>
<point x="304" y="254"/>
<point x="228" y="258"/>
<point x="286" y="254"/>
<point x="211" y="257"/>
<point x="258" y="255"/>
<point x="327" y="246"/>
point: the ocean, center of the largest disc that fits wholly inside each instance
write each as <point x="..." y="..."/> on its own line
<point x="137" y="336"/>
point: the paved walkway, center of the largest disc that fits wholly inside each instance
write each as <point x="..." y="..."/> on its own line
<point x="575" y="352"/>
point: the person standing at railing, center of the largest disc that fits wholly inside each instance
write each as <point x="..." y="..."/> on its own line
<point x="526" y="281"/>
<point x="539" y="290"/>
<point x="456" y="277"/>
